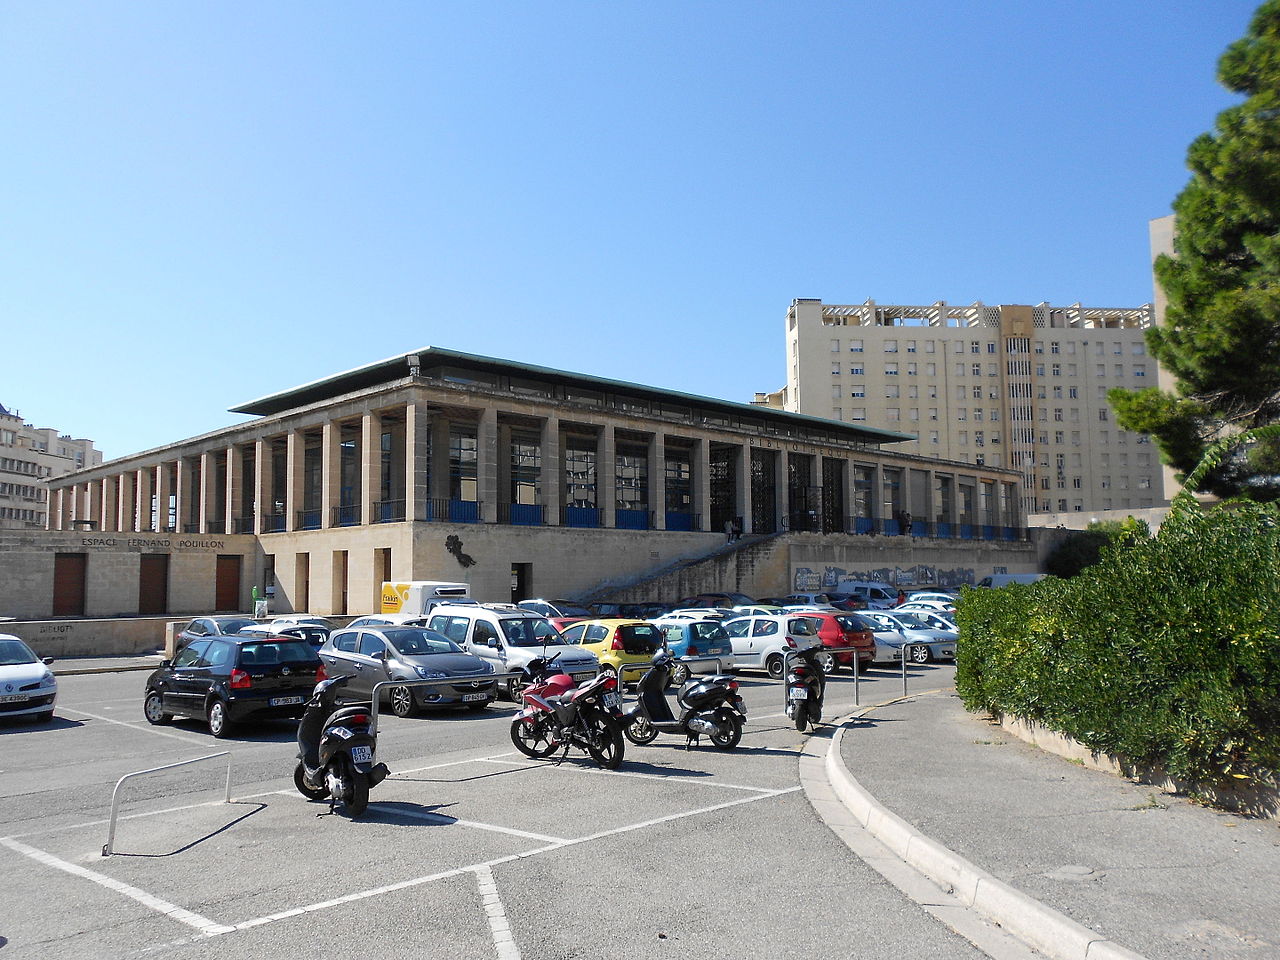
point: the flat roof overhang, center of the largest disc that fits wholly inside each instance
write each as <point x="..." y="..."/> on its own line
<point x="397" y="368"/>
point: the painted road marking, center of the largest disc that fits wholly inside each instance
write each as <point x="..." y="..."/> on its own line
<point x="496" y="914"/>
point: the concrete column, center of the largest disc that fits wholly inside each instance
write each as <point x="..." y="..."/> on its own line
<point x="440" y="458"/>
<point x="658" y="479"/>
<point x="110" y="496"/>
<point x="208" y="492"/>
<point x="781" y="491"/>
<point x="487" y="464"/>
<point x="370" y="464"/>
<point x="417" y="460"/>
<point x="57" y="500"/>
<point x="93" y="501"/>
<point x="126" y="509"/>
<point x="295" y="453"/>
<point x="552" y="480"/>
<point x="235" y="482"/>
<point x="931" y="500"/>
<point x="163" y="492"/>
<point x="142" y="503"/>
<point x="330" y="471"/>
<point x="850" y="494"/>
<point x="261" y="484"/>
<point x="606" y="475"/>
<point x="877" y="496"/>
<point x="702" y="481"/>
<point x="185" y="494"/>
<point x="742" y="495"/>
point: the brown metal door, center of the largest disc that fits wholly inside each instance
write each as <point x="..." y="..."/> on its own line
<point x="153" y="584"/>
<point x="226" y="591"/>
<point x="68" y="584"/>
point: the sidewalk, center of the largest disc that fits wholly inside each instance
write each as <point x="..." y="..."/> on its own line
<point x="72" y="666"/>
<point x="1149" y="872"/>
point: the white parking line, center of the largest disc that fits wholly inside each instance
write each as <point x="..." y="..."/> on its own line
<point x="496" y="914"/>
<point x="207" y="927"/>
<point x="140" y="725"/>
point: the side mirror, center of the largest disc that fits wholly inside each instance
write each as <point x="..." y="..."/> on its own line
<point x="166" y="663"/>
<point x="493" y="643"/>
<point x="47" y="660"/>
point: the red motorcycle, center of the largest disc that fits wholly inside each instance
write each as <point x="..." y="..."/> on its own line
<point x="557" y="715"/>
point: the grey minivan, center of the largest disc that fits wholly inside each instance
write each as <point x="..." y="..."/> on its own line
<point x="370" y="655"/>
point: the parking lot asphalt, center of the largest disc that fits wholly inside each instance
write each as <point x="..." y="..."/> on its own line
<point x="1145" y="871"/>
<point x="468" y="850"/>
<point x="571" y="861"/>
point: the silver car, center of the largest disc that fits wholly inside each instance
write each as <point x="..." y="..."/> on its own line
<point x="27" y="685"/>
<point x="926" y="642"/>
<point x="371" y="655"/>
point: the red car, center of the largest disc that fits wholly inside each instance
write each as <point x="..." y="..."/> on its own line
<point x="843" y="630"/>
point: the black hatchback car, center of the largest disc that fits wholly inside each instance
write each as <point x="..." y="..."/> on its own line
<point x="227" y="680"/>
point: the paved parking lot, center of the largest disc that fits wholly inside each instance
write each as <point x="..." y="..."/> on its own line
<point x="468" y="850"/>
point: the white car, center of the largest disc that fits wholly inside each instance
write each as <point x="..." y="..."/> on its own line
<point x="939" y="621"/>
<point x="933" y="606"/>
<point x="27" y="685"/>
<point x="931" y="595"/>
<point x="299" y="620"/>
<point x="927" y="643"/>
<point x="761" y="643"/>
<point x="390" y="619"/>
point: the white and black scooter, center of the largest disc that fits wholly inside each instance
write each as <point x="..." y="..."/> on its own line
<point x="806" y="684"/>
<point x="336" y="751"/>
<point x="709" y="705"/>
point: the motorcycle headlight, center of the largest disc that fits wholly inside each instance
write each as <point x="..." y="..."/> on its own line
<point x="426" y="674"/>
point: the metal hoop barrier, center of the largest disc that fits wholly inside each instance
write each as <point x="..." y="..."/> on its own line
<point x="790" y="655"/>
<point x="115" y="794"/>
<point x="641" y="667"/>
<point x="436" y="682"/>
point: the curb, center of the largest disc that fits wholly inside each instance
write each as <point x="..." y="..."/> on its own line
<point x="83" y="671"/>
<point x="1053" y="933"/>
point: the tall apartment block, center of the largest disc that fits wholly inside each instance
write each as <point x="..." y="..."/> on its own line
<point x="1021" y="387"/>
<point x="29" y="458"/>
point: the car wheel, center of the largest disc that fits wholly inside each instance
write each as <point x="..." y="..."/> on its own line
<point x="153" y="708"/>
<point x="219" y="724"/>
<point x="515" y="687"/>
<point x="773" y="666"/>
<point x="680" y="674"/>
<point x="828" y="663"/>
<point x="920" y="653"/>
<point x="401" y="701"/>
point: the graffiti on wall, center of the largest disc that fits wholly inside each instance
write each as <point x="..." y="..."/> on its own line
<point x="809" y="580"/>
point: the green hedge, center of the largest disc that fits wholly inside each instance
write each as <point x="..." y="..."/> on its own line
<point x="1165" y="652"/>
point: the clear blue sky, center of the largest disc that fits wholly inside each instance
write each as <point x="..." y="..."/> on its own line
<point x="206" y="202"/>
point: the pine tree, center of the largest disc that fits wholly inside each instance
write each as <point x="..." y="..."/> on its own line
<point x="1221" y="336"/>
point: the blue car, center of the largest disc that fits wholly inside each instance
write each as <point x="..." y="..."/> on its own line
<point x="696" y="638"/>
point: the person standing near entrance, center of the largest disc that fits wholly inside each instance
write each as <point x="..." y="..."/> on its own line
<point x="728" y="531"/>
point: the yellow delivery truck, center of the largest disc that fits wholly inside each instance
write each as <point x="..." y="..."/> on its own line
<point x="419" y="596"/>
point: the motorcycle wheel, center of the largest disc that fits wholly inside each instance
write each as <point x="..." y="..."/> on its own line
<point x="606" y="745"/>
<point x="640" y="732"/>
<point x="802" y="716"/>
<point x="727" y="740"/>
<point x="299" y="781"/>
<point x="533" y="738"/>
<point x="357" y="800"/>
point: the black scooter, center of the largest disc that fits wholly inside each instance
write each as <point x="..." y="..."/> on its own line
<point x="806" y="684"/>
<point x="336" y="749"/>
<point x="709" y="705"/>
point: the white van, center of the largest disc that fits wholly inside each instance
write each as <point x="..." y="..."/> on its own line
<point x="1004" y="579"/>
<point x="877" y="594"/>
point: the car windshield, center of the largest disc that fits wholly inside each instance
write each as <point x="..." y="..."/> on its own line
<point x="909" y="620"/>
<point x="229" y="627"/>
<point x="709" y="631"/>
<point x="530" y="632"/>
<point x="415" y="641"/>
<point x="276" y="651"/>
<point x="14" y="652"/>
<point x="851" y="623"/>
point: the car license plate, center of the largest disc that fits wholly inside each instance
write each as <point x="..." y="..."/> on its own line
<point x="362" y="754"/>
<point x="611" y="698"/>
<point x="285" y="701"/>
<point x="16" y="698"/>
<point x="468" y="697"/>
<point x="798" y="693"/>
